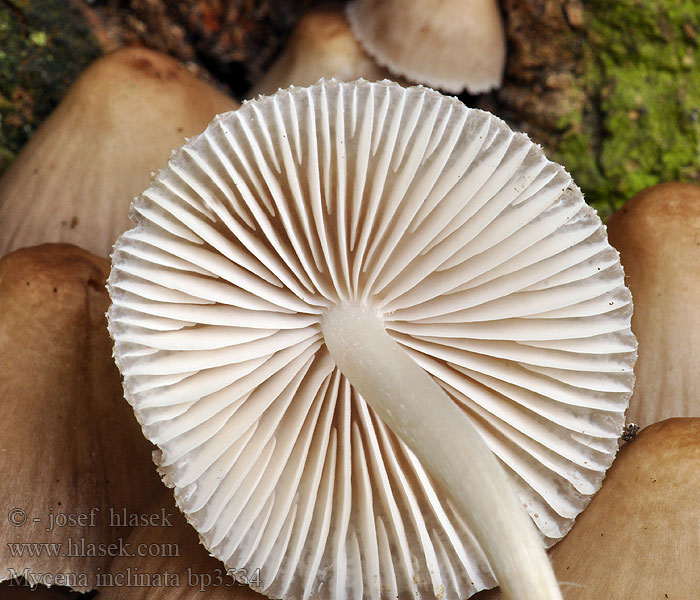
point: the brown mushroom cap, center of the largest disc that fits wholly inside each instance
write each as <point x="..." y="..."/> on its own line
<point x="69" y="444"/>
<point x="639" y="536"/>
<point x="74" y="180"/>
<point x="447" y="44"/>
<point x="321" y="46"/>
<point x="658" y="236"/>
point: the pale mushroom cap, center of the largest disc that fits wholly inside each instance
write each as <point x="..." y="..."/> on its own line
<point x="446" y="44"/>
<point x="321" y="46"/>
<point x="486" y="266"/>
<point x="658" y="236"/>
<point x="120" y="121"/>
<point x="67" y="444"/>
<point x="639" y="536"/>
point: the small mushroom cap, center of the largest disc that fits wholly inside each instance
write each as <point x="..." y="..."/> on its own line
<point x="486" y="267"/>
<point x="68" y="442"/>
<point x="658" y="236"/>
<point x="120" y="121"/>
<point x="321" y="46"/>
<point x="446" y="44"/>
<point x="639" y="536"/>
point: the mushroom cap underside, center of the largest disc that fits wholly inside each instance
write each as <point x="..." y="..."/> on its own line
<point x="488" y="269"/>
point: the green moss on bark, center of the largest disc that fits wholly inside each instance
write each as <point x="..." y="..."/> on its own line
<point x="640" y="123"/>
<point x="45" y="45"/>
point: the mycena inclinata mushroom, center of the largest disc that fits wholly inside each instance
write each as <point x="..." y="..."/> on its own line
<point x="658" y="235"/>
<point x="448" y="44"/>
<point x="340" y="309"/>
<point x="69" y="450"/>
<point x="120" y="121"/>
<point x="320" y="46"/>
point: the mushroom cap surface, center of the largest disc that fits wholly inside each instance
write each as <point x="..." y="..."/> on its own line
<point x="322" y="45"/>
<point x="74" y="180"/>
<point x="446" y="44"/>
<point x="486" y="266"/>
<point x="69" y="445"/>
<point x="658" y="236"/>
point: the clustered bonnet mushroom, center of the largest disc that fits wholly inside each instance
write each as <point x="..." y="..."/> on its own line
<point x="367" y="325"/>
<point x="321" y="46"/>
<point x="658" y="235"/>
<point x="448" y="44"/>
<point x="120" y="121"/>
<point x="68" y="449"/>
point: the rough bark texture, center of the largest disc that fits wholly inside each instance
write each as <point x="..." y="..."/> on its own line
<point x="234" y="40"/>
<point x="43" y="47"/>
<point x="45" y="44"/>
<point x="545" y="51"/>
<point x="611" y="90"/>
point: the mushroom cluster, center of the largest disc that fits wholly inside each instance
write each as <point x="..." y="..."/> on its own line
<point x="74" y="454"/>
<point x="448" y="45"/>
<point x="381" y="345"/>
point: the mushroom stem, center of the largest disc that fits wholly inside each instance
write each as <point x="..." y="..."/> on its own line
<point x="417" y="410"/>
